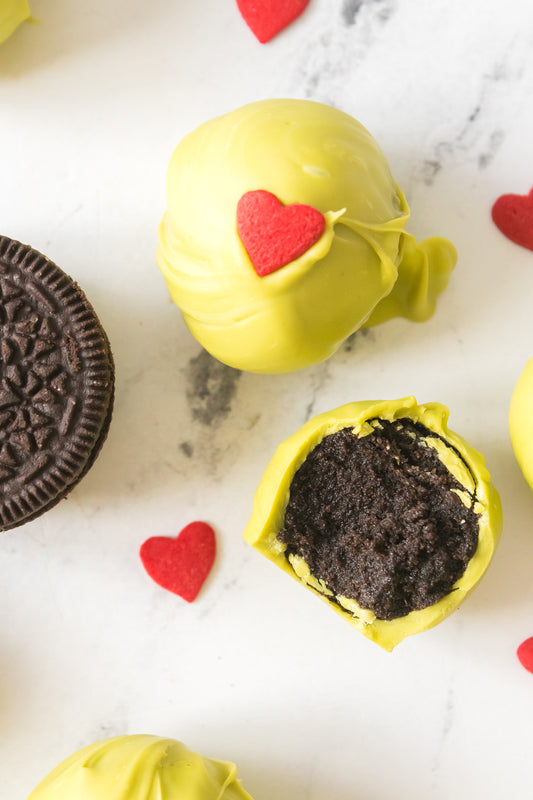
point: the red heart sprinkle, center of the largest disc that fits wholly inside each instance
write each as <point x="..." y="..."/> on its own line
<point x="513" y="215"/>
<point x="181" y="565"/>
<point x="266" y="18"/>
<point x="525" y="654"/>
<point x="273" y="234"/>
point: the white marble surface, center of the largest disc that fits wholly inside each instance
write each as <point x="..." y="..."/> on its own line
<point x="92" y="101"/>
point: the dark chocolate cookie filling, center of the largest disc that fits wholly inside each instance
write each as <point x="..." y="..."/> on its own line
<point x="377" y="519"/>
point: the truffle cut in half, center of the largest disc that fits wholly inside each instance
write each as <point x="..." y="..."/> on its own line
<point x="383" y="512"/>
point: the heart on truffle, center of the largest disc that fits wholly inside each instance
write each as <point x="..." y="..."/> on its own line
<point x="273" y="235"/>
<point x="525" y="654"/>
<point x="181" y="565"/>
<point x="266" y="18"/>
<point x="513" y="215"/>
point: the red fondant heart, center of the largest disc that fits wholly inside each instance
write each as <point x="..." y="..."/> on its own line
<point x="181" y="565"/>
<point x="525" y="654"/>
<point x="273" y="235"/>
<point x="513" y="214"/>
<point x="266" y="18"/>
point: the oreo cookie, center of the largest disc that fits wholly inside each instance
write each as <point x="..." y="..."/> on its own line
<point x="56" y="384"/>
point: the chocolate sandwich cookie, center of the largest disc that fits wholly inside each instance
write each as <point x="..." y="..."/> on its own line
<point x="383" y="512"/>
<point x="56" y="384"/>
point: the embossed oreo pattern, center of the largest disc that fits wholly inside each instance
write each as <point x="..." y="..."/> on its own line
<point x="56" y="384"/>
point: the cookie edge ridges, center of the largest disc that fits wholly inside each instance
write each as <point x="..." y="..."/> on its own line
<point x="93" y="423"/>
